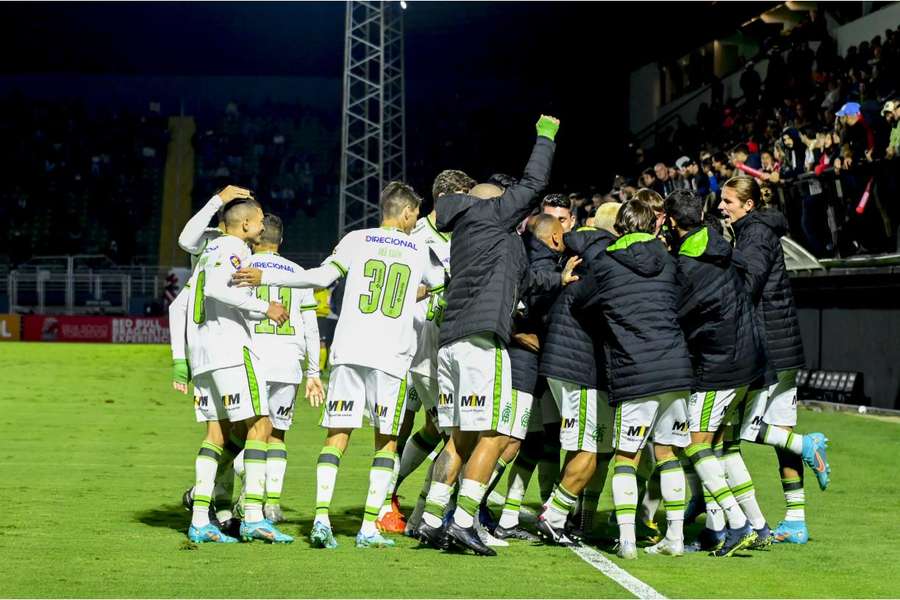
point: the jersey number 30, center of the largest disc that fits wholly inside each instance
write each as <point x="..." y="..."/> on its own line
<point x="387" y="288"/>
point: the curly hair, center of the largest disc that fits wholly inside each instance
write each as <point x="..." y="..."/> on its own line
<point x="450" y="182"/>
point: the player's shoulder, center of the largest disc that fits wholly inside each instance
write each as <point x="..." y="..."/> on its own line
<point x="272" y="261"/>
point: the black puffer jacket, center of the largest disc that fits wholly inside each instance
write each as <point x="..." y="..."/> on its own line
<point x="636" y="289"/>
<point x="542" y="261"/>
<point x="487" y="258"/>
<point x="573" y="346"/>
<point x="716" y="314"/>
<point x="758" y="242"/>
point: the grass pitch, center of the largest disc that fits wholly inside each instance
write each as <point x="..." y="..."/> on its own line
<point x="97" y="450"/>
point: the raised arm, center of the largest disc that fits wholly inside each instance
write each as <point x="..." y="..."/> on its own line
<point x="193" y="235"/>
<point x="520" y="199"/>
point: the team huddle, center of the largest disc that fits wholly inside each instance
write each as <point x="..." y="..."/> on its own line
<point x="648" y="343"/>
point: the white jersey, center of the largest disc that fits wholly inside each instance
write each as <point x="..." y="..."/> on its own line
<point x="218" y="312"/>
<point x="282" y="348"/>
<point x="384" y="268"/>
<point x="209" y="234"/>
<point x="430" y="311"/>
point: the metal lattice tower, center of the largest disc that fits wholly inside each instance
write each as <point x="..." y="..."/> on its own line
<point x="373" y="133"/>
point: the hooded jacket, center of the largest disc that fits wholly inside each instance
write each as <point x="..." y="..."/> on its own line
<point x="573" y="345"/>
<point x="487" y="258"/>
<point x="758" y="243"/>
<point x="795" y="157"/>
<point x="636" y="288"/>
<point x="716" y="314"/>
<point x="537" y="300"/>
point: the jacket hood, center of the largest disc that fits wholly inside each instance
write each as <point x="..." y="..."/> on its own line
<point x="771" y="218"/>
<point x="703" y="243"/>
<point x="639" y="252"/>
<point x="450" y="208"/>
<point x="581" y="239"/>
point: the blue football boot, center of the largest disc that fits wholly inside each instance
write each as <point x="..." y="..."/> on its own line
<point x="791" y="532"/>
<point x="815" y="456"/>
<point x="376" y="540"/>
<point x="322" y="537"/>
<point x="209" y="533"/>
<point x="265" y="531"/>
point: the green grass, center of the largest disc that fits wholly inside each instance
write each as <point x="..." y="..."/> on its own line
<point x="97" y="450"/>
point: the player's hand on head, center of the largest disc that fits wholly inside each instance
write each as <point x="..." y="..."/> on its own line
<point x="230" y="192"/>
<point x="315" y="393"/>
<point x="567" y="276"/>
<point x="421" y="293"/>
<point x="277" y="313"/>
<point x="247" y="277"/>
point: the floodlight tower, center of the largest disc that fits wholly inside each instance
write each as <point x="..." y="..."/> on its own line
<point x="373" y="132"/>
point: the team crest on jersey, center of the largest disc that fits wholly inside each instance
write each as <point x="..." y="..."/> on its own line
<point x="235" y="261"/>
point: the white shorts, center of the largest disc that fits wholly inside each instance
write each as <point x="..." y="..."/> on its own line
<point x="549" y="409"/>
<point x="663" y="418"/>
<point x="232" y="393"/>
<point x="707" y="410"/>
<point x="475" y="383"/>
<point x="586" y="417"/>
<point x="281" y="404"/>
<point x="774" y="405"/>
<point x="354" y="390"/>
<point x="522" y="403"/>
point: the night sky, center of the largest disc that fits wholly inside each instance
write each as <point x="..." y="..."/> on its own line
<point x="486" y="67"/>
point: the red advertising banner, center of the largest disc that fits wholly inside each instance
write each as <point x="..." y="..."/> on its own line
<point x="10" y="326"/>
<point x="128" y="330"/>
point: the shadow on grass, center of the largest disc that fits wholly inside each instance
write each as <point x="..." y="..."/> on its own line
<point x="169" y="516"/>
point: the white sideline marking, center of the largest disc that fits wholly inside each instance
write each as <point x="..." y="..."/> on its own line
<point x="616" y="573"/>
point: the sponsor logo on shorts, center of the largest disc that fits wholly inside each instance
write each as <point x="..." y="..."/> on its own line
<point x="340" y="406"/>
<point x="231" y="401"/>
<point x="445" y="399"/>
<point x="472" y="401"/>
<point x="636" y="432"/>
<point x="757" y="421"/>
<point x="506" y="415"/>
<point x="569" y="423"/>
<point x="201" y="401"/>
<point x="381" y="411"/>
<point x="285" y="411"/>
<point x="679" y="426"/>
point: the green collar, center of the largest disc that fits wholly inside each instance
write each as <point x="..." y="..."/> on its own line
<point x="695" y="244"/>
<point x="629" y="239"/>
<point x="586" y="228"/>
<point x="445" y="237"/>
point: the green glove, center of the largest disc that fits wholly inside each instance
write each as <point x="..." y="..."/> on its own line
<point x="181" y="371"/>
<point x="547" y="127"/>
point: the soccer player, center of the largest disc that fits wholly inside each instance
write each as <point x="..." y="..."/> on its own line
<point x="227" y="386"/>
<point x="373" y="347"/>
<point x="282" y="349"/>
<point x="727" y="355"/>
<point x="423" y="372"/>
<point x="487" y="262"/>
<point x="770" y="412"/>
<point x="648" y="365"/>
<point x="573" y="363"/>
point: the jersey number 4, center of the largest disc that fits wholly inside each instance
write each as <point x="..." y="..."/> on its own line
<point x="387" y="288"/>
<point x="266" y="325"/>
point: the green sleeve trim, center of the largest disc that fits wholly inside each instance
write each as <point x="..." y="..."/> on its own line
<point x="309" y="307"/>
<point x="437" y="290"/>
<point x="341" y="268"/>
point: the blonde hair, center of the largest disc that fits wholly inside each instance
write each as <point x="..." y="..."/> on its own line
<point x="746" y="189"/>
<point x="605" y="217"/>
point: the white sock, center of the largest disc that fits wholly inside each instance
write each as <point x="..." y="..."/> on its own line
<point x="624" y="489"/>
<point x="672" y="484"/>
<point x="205" y="466"/>
<point x="380" y="476"/>
<point x="742" y="485"/>
<point x="558" y="508"/>
<point x="436" y="502"/>
<point x="276" y="466"/>
<point x="326" y="476"/>
<point x="239" y="465"/>
<point x="710" y="471"/>
<point x="469" y="498"/>
<point x="254" y="479"/>
<point x="715" y="516"/>
<point x="519" y="475"/>
<point x="794" y="498"/>
<point x="388" y="497"/>
<point x="773" y="435"/>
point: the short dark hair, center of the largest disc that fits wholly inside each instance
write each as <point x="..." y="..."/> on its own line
<point x="450" y="182"/>
<point x="274" y="230"/>
<point x="558" y="200"/>
<point x="742" y="149"/>
<point x="396" y="196"/>
<point x="649" y="171"/>
<point x="685" y="208"/>
<point x="236" y="209"/>
<point x="635" y="216"/>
